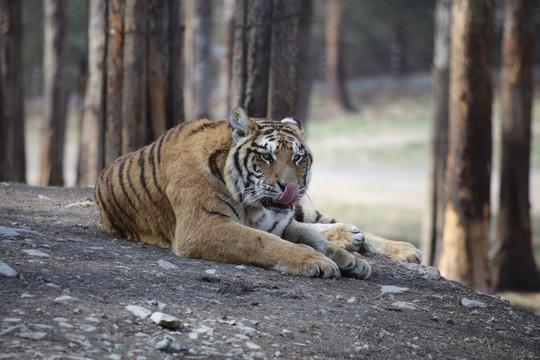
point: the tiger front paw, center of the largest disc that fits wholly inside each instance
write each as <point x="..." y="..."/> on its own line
<point x="309" y="263"/>
<point x="347" y="237"/>
<point x="349" y="265"/>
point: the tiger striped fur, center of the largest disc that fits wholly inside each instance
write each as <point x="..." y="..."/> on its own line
<point x="229" y="191"/>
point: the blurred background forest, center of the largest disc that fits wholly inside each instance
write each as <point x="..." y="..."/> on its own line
<point x="373" y="153"/>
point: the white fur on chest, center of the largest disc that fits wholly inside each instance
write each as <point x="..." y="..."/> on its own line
<point x="263" y="219"/>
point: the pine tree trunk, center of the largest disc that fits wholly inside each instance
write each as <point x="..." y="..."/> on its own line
<point x="265" y="59"/>
<point x="54" y="96"/>
<point x="12" y="153"/>
<point x="335" y="78"/>
<point x="283" y="87"/>
<point x="114" y="73"/>
<point x="434" y="222"/>
<point x="91" y="160"/>
<point x="514" y="266"/>
<point x="225" y="60"/>
<point x="467" y="210"/>
<point x="197" y="57"/>
<point x="305" y="70"/>
<point x="134" y="104"/>
<point x="175" y="94"/>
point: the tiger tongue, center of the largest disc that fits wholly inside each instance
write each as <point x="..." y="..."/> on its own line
<point x="290" y="194"/>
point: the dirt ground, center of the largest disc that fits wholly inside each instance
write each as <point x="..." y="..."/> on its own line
<point x="71" y="290"/>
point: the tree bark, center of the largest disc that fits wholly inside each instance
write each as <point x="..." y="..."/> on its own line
<point x="305" y="68"/>
<point x="335" y="77"/>
<point x="514" y="266"/>
<point x="467" y="210"/>
<point x="54" y="96"/>
<point x="265" y="58"/>
<point x="134" y="104"/>
<point x="283" y="87"/>
<point x="91" y="161"/>
<point x="225" y="61"/>
<point x="12" y="152"/>
<point x="434" y="222"/>
<point x="175" y="97"/>
<point x="113" y="78"/>
<point x="197" y="58"/>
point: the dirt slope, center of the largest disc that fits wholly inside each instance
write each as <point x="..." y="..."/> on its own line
<point x="70" y="299"/>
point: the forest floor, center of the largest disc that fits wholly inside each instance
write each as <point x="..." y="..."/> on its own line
<point x="74" y="289"/>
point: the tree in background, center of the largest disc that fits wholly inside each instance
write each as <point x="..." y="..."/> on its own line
<point x="12" y="154"/>
<point x="54" y="95"/>
<point x="225" y="60"/>
<point x="141" y="92"/>
<point x="265" y="58"/>
<point x="335" y="76"/>
<point x="467" y="210"/>
<point x="197" y="59"/>
<point x="433" y="224"/>
<point x="514" y="266"/>
<point x="305" y="56"/>
<point x="91" y="139"/>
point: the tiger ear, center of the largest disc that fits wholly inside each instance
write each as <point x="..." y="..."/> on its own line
<point x="241" y="123"/>
<point x="296" y="122"/>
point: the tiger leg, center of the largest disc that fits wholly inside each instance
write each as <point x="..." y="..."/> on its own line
<point x="348" y="264"/>
<point x="350" y="238"/>
<point x="228" y="241"/>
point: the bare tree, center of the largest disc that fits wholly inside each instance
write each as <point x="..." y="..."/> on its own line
<point x="434" y="221"/>
<point x="54" y="95"/>
<point x="514" y="266"/>
<point x="12" y="154"/>
<point x="135" y="89"/>
<point x="305" y="70"/>
<point x="467" y="210"/>
<point x="91" y="146"/>
<point x="265" y="58"/>
<point x="225" y="60"/>
<point x="197" y="58"/>
<point x="335" y="77"/>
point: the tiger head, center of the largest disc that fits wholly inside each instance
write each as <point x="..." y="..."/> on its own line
<point x="269" y="163"/>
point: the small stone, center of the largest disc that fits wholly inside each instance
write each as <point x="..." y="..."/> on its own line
<point x="404" y="305"/>
<point x="450" y="321"/>
<point x="164" y="264"/>
<point x="139" y="311"/>
<point x="114" y="357"/>
<point x="351" y="300"/>
<point x="286" y="333"/>
<point x="26" y="295"/>
<point x="12" y="320"/>
<point x="88" y="328"/>
<point x="52" y="285"/>
<point x="474" y="312"/>
<point x="162" y="344"/>
<point x="252" y="346"/>
<point x="249" y="331"/>
<point x="64" y="299"/>
<point x="37" y="253"/>
<point x="6" y="270"/>
<point x="8" y="232"/>
<point x="472" y="303"/>
<point x="258" y="356"/>
<point x="210" y="271"/>
<point x="60" y="319"/>
<point x="166" y="321"/>
<point x="178" y="345"/>
<point x="390" y="289"/>
<point x="240" y="267"/>
<point x="38" y="335"/>
<point x="92" y="319"/>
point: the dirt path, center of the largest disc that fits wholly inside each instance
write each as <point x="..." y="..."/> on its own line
<point x="73" y="288"/>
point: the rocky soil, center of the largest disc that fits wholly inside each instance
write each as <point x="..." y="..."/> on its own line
<point x="69" y="291"/>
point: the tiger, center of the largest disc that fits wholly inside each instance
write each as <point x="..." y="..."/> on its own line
<point x="231" y="191"/>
